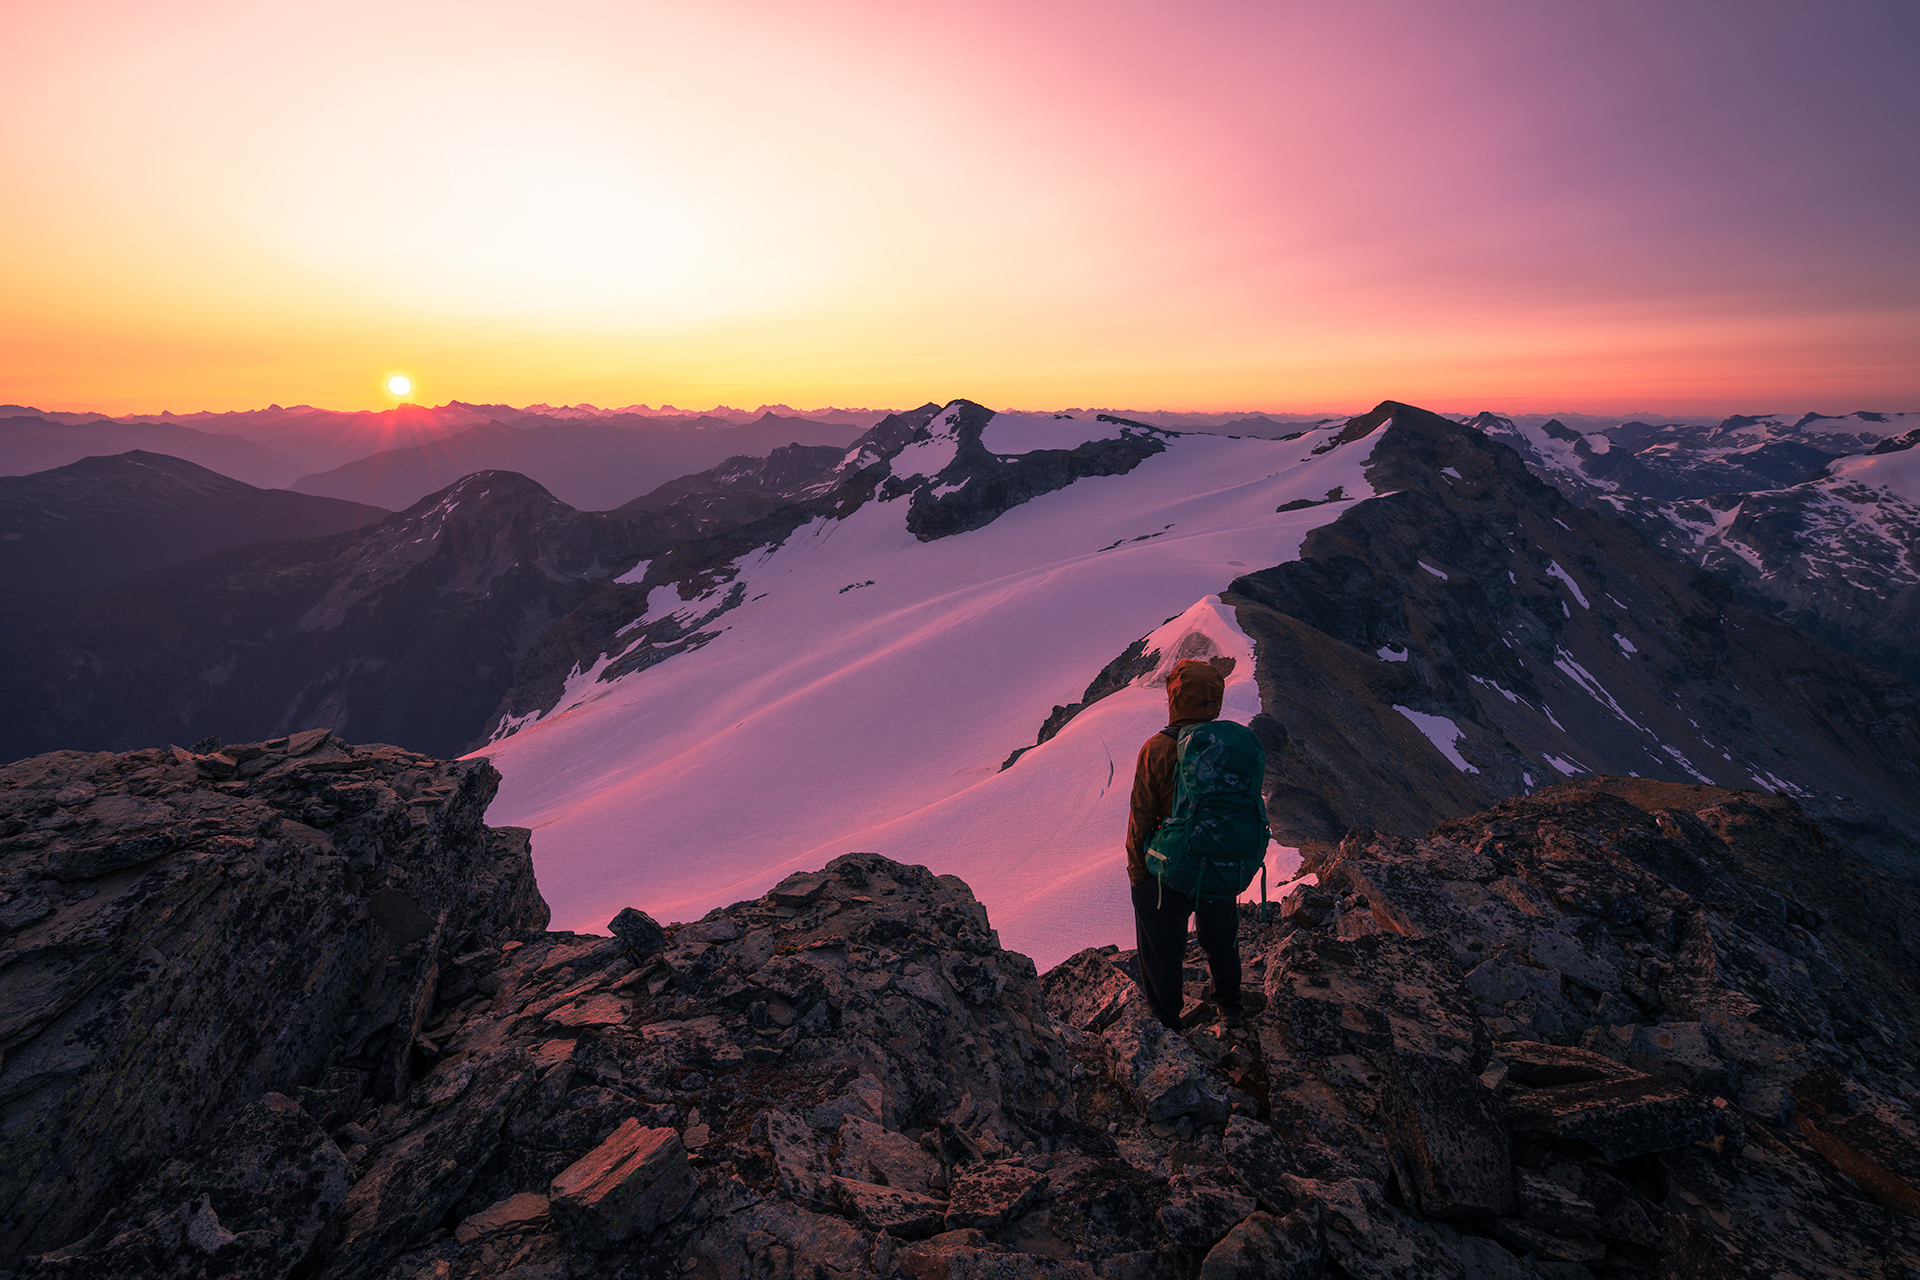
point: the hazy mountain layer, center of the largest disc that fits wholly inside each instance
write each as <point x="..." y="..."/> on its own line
<point x="408" y="630"/>
<point x="590" y="465"/>
<point x="30" y="444"/>
<point x="94" y="522"/>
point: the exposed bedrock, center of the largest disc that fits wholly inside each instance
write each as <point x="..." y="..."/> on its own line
<point x="289" y="1010"/>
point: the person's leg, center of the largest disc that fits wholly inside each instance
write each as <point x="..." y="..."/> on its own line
<point x="1219" y="926"/>
<point x="1160" y="935"/>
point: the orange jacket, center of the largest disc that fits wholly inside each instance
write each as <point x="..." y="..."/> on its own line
<point x="1194" y="692"/>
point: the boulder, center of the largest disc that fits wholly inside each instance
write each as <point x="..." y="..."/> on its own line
<point x="988" y="1196"/>
<point x="906" y="1214"/>
<point x="523" y="1211"/>
<point x="638" y="932"/>
<point x="798" y="889"/>
<point x="797" y="1159"/>
<point x="1088" y="991"/>
<point x="1263" y="1247"/>
<point x="626" y="1187"/>
<point x="1680" y="1051"/>
<point x="1618" y="1118"/>
<point x="1446" y="1140"/>
<point x="1162" y="1074"/>
<point x="869" y="1153"/>
<point x="1201" y="1208"/>
<point x="1263" y="1162"/>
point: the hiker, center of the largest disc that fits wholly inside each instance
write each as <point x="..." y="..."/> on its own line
<point x="1197" y="861"/>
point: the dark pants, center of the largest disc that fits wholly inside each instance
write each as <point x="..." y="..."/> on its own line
<point x="1160" y="932"/>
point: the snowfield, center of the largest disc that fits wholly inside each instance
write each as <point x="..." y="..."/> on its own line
<point x="866" y="693"/>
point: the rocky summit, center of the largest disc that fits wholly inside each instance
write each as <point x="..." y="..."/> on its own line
<point x="290" y="1009"/>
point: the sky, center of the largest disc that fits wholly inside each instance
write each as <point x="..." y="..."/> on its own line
<point x="1522" y="205"/>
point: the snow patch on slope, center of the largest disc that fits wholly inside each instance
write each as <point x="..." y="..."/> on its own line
<point x="1443" y="733"/>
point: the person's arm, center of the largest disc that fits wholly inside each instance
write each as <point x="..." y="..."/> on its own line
<point x="1151" y="802"/>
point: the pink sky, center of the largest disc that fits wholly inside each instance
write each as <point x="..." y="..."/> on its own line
<point x="1698" y="207"/>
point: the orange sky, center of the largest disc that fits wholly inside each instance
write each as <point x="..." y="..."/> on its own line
<point x="1239" y="204"/>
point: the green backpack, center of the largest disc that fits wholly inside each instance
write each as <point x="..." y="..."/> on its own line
<point x="1216" y="837"/>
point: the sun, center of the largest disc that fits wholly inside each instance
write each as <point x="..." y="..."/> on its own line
<point x="400" y="385"/>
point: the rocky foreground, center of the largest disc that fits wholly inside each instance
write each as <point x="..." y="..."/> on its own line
<point x="289" y="1009"/>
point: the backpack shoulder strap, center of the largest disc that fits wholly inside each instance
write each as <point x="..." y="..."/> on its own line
<point x="1169" y="732"/>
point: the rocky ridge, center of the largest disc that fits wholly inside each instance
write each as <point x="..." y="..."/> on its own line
<point x="287" y="1009"/>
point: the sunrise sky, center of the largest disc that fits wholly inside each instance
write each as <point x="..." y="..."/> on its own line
<point x="1539" y="204"/>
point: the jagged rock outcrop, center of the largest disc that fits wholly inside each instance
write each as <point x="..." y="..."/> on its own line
<point x="1619" y="1027"/>
<point x="973" y="486"/>
<point x="779" y="478"/>
<point x="186" y="933"/>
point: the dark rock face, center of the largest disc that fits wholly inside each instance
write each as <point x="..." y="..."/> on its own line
<point x="189" y="945"/>
<point x="976" y="487"/>
<point x="1619" y="1028"/>
<point x="1752" y="501"/>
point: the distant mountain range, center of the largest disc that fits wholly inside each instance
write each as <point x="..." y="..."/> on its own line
<point x="275" y="446"/>
<point x="591" y="464"/>
<point x="409" y="628"/>
<point x="30" y="443"/>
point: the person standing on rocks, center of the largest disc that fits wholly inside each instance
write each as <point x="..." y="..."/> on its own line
<point x="1224" y="836"/>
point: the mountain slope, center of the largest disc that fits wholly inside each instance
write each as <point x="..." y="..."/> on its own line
<point x="854" y="675"/>
<point x="589" y="464"/>
<point x="98" y="520"/>
<point x="1473" y="635"/>
<point x="1838" y="555"/>
<point x="408" y="630"/>
<point x="1678" y="461"/>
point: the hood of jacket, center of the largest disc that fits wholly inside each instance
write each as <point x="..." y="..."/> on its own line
<point x="1194" y="691"/>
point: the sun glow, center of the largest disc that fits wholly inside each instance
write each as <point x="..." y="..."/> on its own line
<point x="400" y="385"/>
